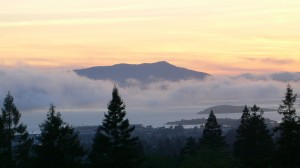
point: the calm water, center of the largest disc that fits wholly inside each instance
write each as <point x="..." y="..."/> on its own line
<point x="155" y="117"/>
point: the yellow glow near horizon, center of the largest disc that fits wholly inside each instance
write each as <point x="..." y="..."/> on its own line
<point x="218" y="37"/>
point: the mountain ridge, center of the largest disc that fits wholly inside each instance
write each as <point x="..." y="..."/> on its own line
<point x="145" y="72"/>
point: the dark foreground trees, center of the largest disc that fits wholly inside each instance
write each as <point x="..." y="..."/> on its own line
<point x="253" y="145"/>
<point x="15" y="143"/>
<point x="59" y="143"/>
<point x="190" y="148"/>
<point x="288" y="141"/>
<point x="212" y="134"/>
<point x="113" y="146"/>
<point x="210" y="158"/>
<point x="211" y="151"/>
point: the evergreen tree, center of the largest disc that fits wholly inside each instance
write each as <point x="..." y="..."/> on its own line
<point x="190" y="148"/>
<point x="59" y="144"/>
<point x="211" y="152"/>
<point x="3" y="146"/>
<point x="212" y="134"/>
<point x="241" y="141"/>
<point x="288" y="146"/>
<point x="210" y="158"/>
<point x="15" y="143"/>
<point x="253" y="145"/>
<point x="113" y="146"/>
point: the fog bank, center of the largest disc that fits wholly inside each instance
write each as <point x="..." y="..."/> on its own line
<point x="35" y="89"/>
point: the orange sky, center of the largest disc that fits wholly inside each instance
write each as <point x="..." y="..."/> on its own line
<point x="218" y="37"/>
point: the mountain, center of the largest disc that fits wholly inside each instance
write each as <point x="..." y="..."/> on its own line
<point x="224" y="109"/>
<point x="147" y="72"/>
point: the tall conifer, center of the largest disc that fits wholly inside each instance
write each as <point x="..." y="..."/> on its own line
<point x="212" y="151"/>
<point x="114" y="146"/>
<point x="288" y="142"/>
<point x="15" y="143"/>
<point x="190" y="148"/>
<point x="253" y="145"/>
<point x="212" y="134"/>
<point x="59" y="143"/>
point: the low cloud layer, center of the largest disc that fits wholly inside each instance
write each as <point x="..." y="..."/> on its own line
<point x="280" y="76"/>
<point x="35" y="89"/>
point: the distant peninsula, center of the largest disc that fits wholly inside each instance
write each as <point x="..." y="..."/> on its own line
<point x="201" y="121"/>
<point x="225" y="109"/>
<point x="227" y="122"/>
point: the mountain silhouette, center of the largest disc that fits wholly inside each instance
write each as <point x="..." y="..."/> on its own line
<point x="146" y="72"/>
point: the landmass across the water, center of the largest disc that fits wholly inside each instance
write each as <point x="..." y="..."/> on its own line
<point x="225" y="122"/>
<point x="224" y="109"/>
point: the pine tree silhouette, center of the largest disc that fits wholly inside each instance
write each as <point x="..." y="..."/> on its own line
<point x="15" y="143"/>
<point x="253" y="145"/>
<point x="114" y="146"/>
<point x="288" y="146"/>
<point x="212" y="134"/>
<point x="59" y="144"/>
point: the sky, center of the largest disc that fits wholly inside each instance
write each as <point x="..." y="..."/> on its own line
<point x="218" y="37"/>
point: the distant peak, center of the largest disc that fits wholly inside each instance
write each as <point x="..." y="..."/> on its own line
<point x="162" y="62"/>
<point x="159" y="62"/>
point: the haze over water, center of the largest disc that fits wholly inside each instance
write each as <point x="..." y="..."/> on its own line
<point x="152" y="116"/>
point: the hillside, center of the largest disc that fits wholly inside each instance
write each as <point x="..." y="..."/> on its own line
<point x="147" y="72"/>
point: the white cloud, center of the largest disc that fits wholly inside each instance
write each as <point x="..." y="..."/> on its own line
<point x="36" y="89"/>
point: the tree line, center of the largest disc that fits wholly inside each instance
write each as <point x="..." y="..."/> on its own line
<point x="114" y="145"/>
